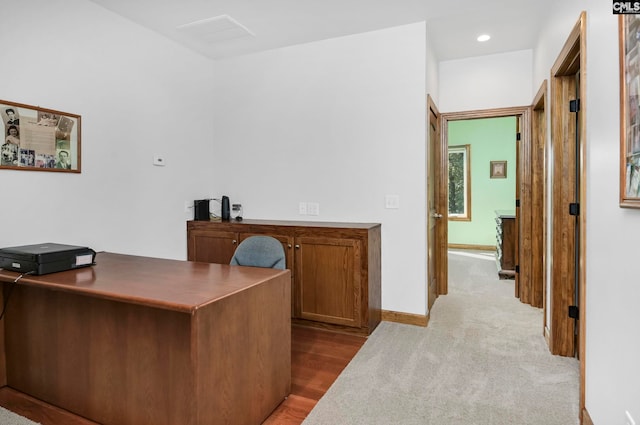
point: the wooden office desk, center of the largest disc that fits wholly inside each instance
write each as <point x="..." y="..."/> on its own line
<point x="135" y="340"/>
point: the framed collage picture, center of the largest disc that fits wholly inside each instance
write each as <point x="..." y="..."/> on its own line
<point x="629" y="45"/>
<point x="39" y="139"/>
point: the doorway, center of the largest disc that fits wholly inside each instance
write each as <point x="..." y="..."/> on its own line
<point x="522" y="139"/>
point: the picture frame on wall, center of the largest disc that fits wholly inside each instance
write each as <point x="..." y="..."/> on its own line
<point x="39" y="139"/>
<point x="498" y="170"/>
<point x="629" y="47"/>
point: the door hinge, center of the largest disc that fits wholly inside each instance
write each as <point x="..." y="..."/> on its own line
<point x="574" y="105"/>
<point x="574" y="312"/>
<point x="574" y="208"/>
<point x="517" y="203"/>
<point x="518" y="136"/>
<point x="517" y="268"/>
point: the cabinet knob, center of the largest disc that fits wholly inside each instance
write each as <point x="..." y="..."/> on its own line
<point x="297" y="246"/>
<point x="289" y="246"/>
<point x="234" y="241"/>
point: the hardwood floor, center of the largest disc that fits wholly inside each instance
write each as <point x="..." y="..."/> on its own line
<point x="318" y="356"/>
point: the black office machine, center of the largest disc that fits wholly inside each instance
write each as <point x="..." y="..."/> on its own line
<point x="46" y="258"/>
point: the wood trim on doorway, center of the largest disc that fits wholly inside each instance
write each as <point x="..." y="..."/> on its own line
<point x="440" y="161"/>
<point x="539" y="201"/>
<point x="522" y="113"/>
<point x="568" y="71"/>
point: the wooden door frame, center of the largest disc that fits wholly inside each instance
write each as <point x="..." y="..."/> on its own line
<point x="440" y="189"/>
<point x="523" y="113"/>
<point x="570" y="62"/>
<point x="539" y="198"/>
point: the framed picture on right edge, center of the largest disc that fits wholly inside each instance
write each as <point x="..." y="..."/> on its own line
<point x="629" y="46"/>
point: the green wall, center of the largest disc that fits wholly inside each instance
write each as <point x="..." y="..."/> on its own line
<point x="491" y="139"/>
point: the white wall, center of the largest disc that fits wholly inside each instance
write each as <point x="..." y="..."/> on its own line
<point x="613" y="292"/>
<point x="433" y="78"/>
<point x="340" y="122"/>
<point x="138" y="95"/>
<point x="486" y="82"/>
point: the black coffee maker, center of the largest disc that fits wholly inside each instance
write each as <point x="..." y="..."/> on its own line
<point x="201" y="210"/>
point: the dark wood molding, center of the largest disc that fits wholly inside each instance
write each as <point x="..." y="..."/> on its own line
<point x="568" y="72"/>
<point x="472" y="247"/>
<point x="539" y="201"/>
<point x="406" y="318"/>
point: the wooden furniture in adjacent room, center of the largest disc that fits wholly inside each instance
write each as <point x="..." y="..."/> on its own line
<point x="505" y="243"/>
<point x="135" y="340"/>
<point x="336" y="267"/>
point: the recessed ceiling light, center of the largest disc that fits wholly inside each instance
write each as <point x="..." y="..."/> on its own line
<point x="483" y="37"/>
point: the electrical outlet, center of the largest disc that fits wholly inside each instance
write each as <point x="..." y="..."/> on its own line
<point x="392" y="201"/>
<point x="302" y="208"/>
<point x="158" y="160"/>
<point x="313" y="208"/>
<point x="630" y="420"/>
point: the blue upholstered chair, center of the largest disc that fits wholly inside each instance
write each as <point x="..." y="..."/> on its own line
<point x="260" y="251"/>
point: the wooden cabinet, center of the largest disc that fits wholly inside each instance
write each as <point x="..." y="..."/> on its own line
<point x="212" y="246"/>
<point x="336" y="267"/>
<point x="506" y="244"/>
<point x="328" y="280"/>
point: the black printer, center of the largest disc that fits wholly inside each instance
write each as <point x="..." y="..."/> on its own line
<point x="45" y="258"/>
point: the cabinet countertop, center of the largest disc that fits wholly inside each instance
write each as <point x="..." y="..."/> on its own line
<point x="292" y="223"/>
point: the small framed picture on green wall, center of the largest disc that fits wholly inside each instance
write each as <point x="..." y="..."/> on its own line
<point x="498" y="170"/>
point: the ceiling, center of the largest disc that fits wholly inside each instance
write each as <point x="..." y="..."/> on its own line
<point x="255" y="25"/>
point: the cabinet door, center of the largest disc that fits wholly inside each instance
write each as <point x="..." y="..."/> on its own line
<point x="328" y="280"/>
<point x="211" y="246"/>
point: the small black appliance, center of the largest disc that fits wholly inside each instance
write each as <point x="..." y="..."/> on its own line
<point x="226" y="214"/>
<point x="201" y="210"/>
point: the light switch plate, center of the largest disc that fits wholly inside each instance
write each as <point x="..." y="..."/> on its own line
<point x="392" y="201"/>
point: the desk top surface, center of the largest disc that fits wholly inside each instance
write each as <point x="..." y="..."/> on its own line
<point x="155" y="282"/>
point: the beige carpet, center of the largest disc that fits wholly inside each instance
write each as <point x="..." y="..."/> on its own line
<point x="482" y="360"/>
